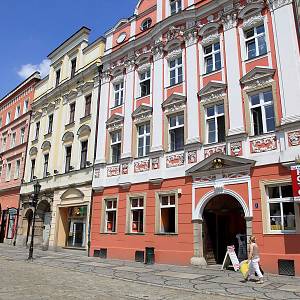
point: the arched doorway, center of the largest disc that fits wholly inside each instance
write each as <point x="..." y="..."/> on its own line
<point x="43" y="223"/>
<point x="223" y="225"/>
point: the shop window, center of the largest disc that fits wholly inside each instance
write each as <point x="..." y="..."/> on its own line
<point x="50" y="123"/>
<point x="176" y="132"/>
<point x="115" y="146"/>
<point x="119" y="93"/>
<point x="215" y="122"/>
<point x="175" y="6"/>
<point x="37" y="130"/>
<point x="145" y="82"/>
<point x="167" y="214"/>
<point x="110" y="215"/>
<point x="137" y="215"/>
<point x="176" y="71"/>
<point x="262" y="113"/>
<point x="73" y="67"/>
<point x="281" y="207"/>
<point x="72" y="112"/>
<point x="143" y="139"/>
<point x="212" y="58"/>
<point x="88" y="102"/>
<point x="255" y="39"/>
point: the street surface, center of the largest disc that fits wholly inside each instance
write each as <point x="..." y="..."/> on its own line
<point x="60" y="275"/>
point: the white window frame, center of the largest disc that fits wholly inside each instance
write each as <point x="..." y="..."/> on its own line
<point x="8" y="172"/>
<point x="4" y="144"/>
<point x="255" y="37"/>
<point x="262" y="104"/>
<point x="1" y="169"/>
<point x="280" y="200"/>
<point x="37" y="130"/>
<point x="176" y="68"/>
<point x="144" y="137"/>
<point x="118" y="134"/>
<point x="13" y="140"/>
<point x="118" y="88"/>
<point x="147" y="74"/>
<point x="172" y="128"/>
<point x="25" y="109"/>
<point x="8" y="118"/>
<point x="215" y="118"/>
<point x="176" y="5"/>
<point x="137" y="208"/>
<point x="22" y="135"/>
<point x="112" y="209"/>
<point x="213" y="54"/>
<point x="17" y="169"/>
<point x="18" y="112"/>
<point x="169" y="205"/>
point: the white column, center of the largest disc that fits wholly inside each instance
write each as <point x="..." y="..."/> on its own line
<point x="287" y="56"/>
<point x="103" y="107"/>
<point x="236" y="125"/>
<point x="159" y="10"/>
<point x="128" y="109"/>
<point x="158" y="96"/>
<point x="192" y="87"/>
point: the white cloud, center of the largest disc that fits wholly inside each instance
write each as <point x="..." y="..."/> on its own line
<point x="28" y="69"/>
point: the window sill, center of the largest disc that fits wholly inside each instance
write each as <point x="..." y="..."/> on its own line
<point x="211" y="73"/>
<point x="256" y="57"/>
<point x="109" y="233"/>
<point x="174" y="85"/>
<point x="253" y="137"/>
<point x="117" y="106"/>
<point x="85" y="118"/>
<point x="142" y="97"/>
<point x="167" y="234"/>
<point x="137" y="233"/>
<point x="175" y="151"/>
<point x="208" y="145"/>
<point x="288" y="232"/>
<point x="47" y="135"/>
<point x="69" y="125"/>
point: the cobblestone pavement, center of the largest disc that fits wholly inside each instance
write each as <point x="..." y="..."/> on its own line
<point x="65" y="275"/>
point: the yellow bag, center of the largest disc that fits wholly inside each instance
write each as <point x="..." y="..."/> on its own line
<point x="244" y="268"/>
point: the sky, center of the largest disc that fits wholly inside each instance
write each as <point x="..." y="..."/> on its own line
<point x="31" y="29"/>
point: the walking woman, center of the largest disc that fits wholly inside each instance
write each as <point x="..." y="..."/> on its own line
<point x="253" y="259"/>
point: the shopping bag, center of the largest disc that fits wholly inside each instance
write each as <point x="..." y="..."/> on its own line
<point x="244" y="268"/>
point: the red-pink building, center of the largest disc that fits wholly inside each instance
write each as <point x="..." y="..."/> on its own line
<point x="199" y="124"/>
<point x="14" y="127"/>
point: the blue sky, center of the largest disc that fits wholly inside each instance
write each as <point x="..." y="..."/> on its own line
<point x="31" y="29"/>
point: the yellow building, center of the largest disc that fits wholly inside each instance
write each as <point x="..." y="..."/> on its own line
<point x="61" y="145"/>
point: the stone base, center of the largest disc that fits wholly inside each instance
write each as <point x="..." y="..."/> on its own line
<point x="198" y="261"/>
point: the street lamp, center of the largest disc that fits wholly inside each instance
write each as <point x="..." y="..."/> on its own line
<point x="34" y="197"/>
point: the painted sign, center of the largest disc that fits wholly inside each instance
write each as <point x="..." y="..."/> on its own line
<point x="295" y="173"/>
<point x="231" y="256"/>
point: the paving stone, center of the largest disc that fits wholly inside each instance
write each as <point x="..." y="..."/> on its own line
<point x="178" y="275"/>
<point x="132" y="269"/>
<point x="290" y="288"/>
<point x="95" y="264"/>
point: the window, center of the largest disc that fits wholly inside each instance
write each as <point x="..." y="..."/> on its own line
<point x="1" y="167"/>
<point x="46" y="163"/>
<point x="17" y="112"/>
<point x="88" y="101"/>
<point x="84" y="149"/>
<point x="17" y="169"/>
<point x="73" y="67"/>
<point x="8" y="172"/>
<point x="262" y="113"/>
<point x="37" y="130"/>
<point x="68" y="159"/>
<point x="11" y="223"/>
<point x="212" y="58"/>
<point x="146" y="24"/>
<point x="110" y="215"/>
<point x="176" y="71"/>
<point x="32" y="169"/>
<point x="50" y="123"/>
<point x="4" y="144"/>
<point x="72" y="112"/>
<point x="143" y="139"/>
<point x="281" y="208"/>
<point x="215" y="122"/>
<point x="22" y="135"/>
<point x="145" y="83"/>
<point x="137" y="215"/>
<point x="167" y="214"/>
<point x="176" y="132"/>
<point x="255" y="39"/>
<point x="13" y="140"/>
<point x="115" y="146"/>
<point x="0" y="122"/>
<point x="8" y="116"/>
<point x="119" y="93"/>
<point x="175" y="6"/>
<point x="57" y="78"/>
<point x="25" y="106"/>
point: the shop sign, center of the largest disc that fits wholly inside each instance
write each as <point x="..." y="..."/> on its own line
<point x="230" y="256"/>
<point x="295" y="173"/>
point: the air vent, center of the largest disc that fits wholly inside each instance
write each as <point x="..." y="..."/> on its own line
<point x="139" y="256"/>
<point x="286" y="267"/>
<point x="103" y="253"/>
<point x="96" y="253"/>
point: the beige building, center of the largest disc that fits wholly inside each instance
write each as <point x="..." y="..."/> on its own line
<point x="61" y="145"/>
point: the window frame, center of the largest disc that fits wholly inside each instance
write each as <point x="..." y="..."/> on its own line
<point x="173" y="128"/>
<point x="118" y="91"/>
<point x="50" y="123"/>
<point x="176" y="69"/>
<point x="88" y="105"/>
<point x="72" y="111"/>
<point x="137" y="208"/>
<point x="22" y="135"/>
<point x="13" y="140"/>
<point x="18" y="112"/>
<point x="8" y="171"/>
<point x="68" y="158"/>
<point x="212" y="54"/>
<point x="57" y="77"/>
<point x="84" y="154"/>
<point x="26" y="106"/>
<point x="255" y="38"/>
<point x="73" y="67"/>
<point x="8" y="118"/>
<point x="106" y="210"/>
<point x="32" y="168"/>
<point x="112" y="144"/>
<point x="147" y="78"/>
<point x="178" y="7"/>
<point x="17" y="169"/>
<point x="37" y="130"/>
<point x="46" y="165"/>
<point x="144" y="137"/>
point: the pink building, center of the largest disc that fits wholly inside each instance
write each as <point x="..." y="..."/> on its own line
<point x="14" y="127"/>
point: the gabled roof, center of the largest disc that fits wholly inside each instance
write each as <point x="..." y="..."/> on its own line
<point x="220" y="163"/>
<point x="258" y="73"/>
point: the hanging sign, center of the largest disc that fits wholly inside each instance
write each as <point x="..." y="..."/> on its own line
<point x="230" y="256"/>
<point x="295" y="173"/>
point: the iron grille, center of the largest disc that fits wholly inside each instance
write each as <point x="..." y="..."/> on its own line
<point x="139" y="256"/>
<point x="286" y="267"/>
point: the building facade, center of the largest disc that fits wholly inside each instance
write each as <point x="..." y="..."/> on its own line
<point x="61" y="146"/>
<point x="198" y="127"/>
<point x="14" y="127"/>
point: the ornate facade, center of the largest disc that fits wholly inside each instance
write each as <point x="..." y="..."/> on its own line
<point x="198" y="126"/>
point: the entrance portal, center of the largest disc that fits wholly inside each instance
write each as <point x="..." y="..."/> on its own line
<point x="3" y="225"/>
<point x="224" y="225"/>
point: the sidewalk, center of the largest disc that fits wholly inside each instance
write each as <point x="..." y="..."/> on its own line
<point x="189" y="278"/>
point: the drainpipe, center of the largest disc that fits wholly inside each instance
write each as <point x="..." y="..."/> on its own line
<point x="100" y="68"/>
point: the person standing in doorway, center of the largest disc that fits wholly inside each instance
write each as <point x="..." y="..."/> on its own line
<point x="253" y="259"/>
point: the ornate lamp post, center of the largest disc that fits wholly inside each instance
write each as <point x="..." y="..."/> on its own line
<point x="37" y="188"/>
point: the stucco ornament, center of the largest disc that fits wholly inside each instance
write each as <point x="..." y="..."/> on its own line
<point x="264" y="144"/>
<point x="210" y="39"/>
<point x="229" y="20"/>
<point x="294" y="138"/>
<point x="253" y="21"/>
<point x="275" y="4"/>
<point x="173" y="33"/>
<point x="236" y="148"/>
<point x="191" y="36"/>
<point x="210" y="151"/>
<point x="113" y="171"/>
<point x="157" y="50"/>
<point x="175" y="160"/>
<point x="219" y="187"/>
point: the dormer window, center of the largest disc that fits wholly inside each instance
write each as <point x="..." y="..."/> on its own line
<point x="255" y="39"/>
<point x="73" y="67"/>
<point x="175" y="6"/>
<point x="57" y="80"/>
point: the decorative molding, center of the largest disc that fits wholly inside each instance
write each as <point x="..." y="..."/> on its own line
<point x="130" y="64"/>
<point x="252" y="21"/>
<point x="144" y="67"/>
<point x="213" y="91"/>
<point x="175" y="160"/>
<point x="115" y="122"/>
<point x="191" y="36"/>
<point x="97" y="173"/>
<point x="173" y="54"/>
<point x="192" y="157"/>
<point x="158" y="51"/>
<point x="275" y="4"/>
<point x="105" y="77"/>
<point x="294" y="138"/>
<point x="155" y="163"/>
<point x="264" y="144"/>
<point x="218" y="149"/>
<point x="173" y="33"/>
<point x="219" y="187"/>
<point x="117" y="79"/>
<point x="176" y="102"/>
<point x="113" y="171"/>
<point x="210" y="39"/>
<point x="142" y="166"/>
<point x="236" y="148"/>
<point x="124" y="169"/>
<point x="142" y="113"/>
<point x="229" y="20"/>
